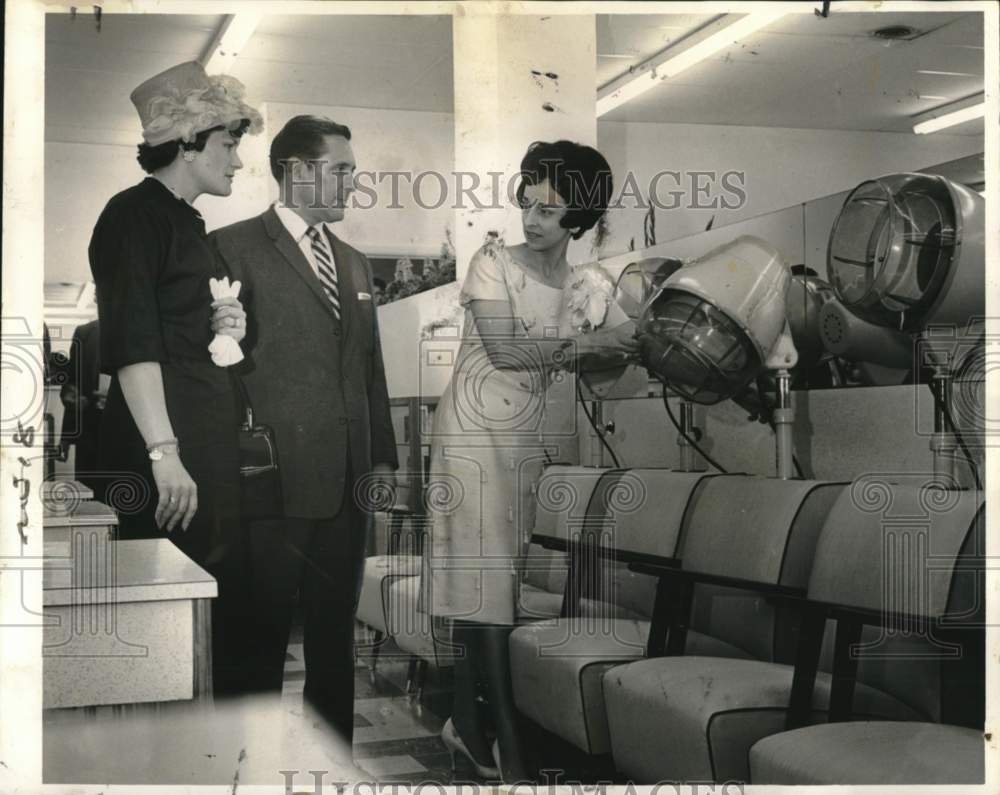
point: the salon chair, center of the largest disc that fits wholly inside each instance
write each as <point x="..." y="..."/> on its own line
<point x="930" y="552"/>
<point x="694" y="718"/>
<point x="558" y="671"/>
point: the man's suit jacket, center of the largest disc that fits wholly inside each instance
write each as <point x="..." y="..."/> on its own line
<point x="318" y="382"/>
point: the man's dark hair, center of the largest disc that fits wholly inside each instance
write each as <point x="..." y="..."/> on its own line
<point x="302" y="138"/>
<point x="380" y="283"/>
<point x="153" y="158"/>
<point x="579" y="174"/>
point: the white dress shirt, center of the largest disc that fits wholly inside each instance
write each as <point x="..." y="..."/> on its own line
<point x="297" y="228"/>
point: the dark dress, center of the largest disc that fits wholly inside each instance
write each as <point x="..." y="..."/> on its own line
<point x="151" y="262"/>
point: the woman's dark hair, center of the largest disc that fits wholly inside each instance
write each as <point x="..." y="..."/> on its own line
<point x="579" y="174"/>
<point x="302" y="138"/>
<point x="153" y="158"/>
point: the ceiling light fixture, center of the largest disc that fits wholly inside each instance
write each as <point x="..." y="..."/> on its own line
<point x="945" y="74"/>
<point x="951" y="118"/>
<point x="703" y="43"/>
<point x="235" y="31"/>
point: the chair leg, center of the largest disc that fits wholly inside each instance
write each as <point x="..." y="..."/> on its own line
<point x="421" y="679"/>
<point x="845" y="670"/>
<point x="411" y="673"/>
<point x="811" y="627"/>
<point x="377" y="639"/>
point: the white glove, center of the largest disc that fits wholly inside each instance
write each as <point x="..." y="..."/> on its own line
<point x="224" y="349"/>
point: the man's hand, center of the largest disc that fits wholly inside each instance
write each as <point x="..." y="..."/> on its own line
<point x="229" y="318"/>
<point x="70" y="396"/>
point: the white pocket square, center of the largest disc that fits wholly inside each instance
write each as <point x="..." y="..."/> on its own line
<point x="364" y="297"/>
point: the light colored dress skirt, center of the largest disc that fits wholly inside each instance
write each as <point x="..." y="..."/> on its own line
<point x="493" y="432"/>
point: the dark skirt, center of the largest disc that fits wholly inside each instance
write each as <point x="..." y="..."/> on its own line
<point x="203" y="410"/>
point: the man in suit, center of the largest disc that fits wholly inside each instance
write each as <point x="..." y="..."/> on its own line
<point x="313" y="373"/>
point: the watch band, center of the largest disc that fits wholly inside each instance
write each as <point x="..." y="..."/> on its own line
<point x="151" y="447"/>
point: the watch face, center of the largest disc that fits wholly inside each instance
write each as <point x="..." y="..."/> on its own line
<point x="155" y="455"/>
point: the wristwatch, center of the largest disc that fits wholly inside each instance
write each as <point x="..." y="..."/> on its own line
<point x="159" y="449"/>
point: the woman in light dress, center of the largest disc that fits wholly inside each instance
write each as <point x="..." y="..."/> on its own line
<point x="508" y="409"/>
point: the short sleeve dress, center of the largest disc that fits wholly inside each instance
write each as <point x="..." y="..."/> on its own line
<point x="494" y="430"/>
<point x="151" y="262"/>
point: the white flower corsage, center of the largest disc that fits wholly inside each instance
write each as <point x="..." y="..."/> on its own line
<point x="224" y="349"/>
<point x="589" y="293"/>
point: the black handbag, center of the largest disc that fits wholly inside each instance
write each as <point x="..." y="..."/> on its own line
<point x="260" y="474"/>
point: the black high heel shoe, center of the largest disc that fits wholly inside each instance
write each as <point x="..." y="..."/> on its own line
<point x="454" y="744"/>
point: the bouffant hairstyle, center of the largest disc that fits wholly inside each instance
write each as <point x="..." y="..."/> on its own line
<point x="302" y="138"/>
<point x="153" y="158"/>
<point x="579" y="174"/>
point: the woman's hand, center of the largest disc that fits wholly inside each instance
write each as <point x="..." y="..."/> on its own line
<point x="609" y="345"/>
<point x="178" y="500"/>
<point x="229" y="318"/>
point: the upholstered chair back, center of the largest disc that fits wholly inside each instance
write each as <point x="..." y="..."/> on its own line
<point x="912" y="553"/>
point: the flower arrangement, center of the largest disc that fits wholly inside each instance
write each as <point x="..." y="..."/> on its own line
<point x="435" y="274"/>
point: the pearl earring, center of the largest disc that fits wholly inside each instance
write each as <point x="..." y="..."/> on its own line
<point x="189" y="156"/>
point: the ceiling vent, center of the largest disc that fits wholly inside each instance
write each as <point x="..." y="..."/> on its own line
<point x="896" y="33"/>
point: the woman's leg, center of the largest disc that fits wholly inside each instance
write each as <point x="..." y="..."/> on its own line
<point x="465" y="708"/>
<point x="495" y="659"/>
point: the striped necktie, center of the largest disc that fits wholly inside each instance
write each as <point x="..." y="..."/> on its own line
<point x="325" y="267"/>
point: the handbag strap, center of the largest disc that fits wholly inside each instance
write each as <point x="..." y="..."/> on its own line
<point x="245" y="398"/>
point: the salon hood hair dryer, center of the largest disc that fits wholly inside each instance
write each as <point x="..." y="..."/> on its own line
<point x="640" y="279"/>
<point x="905" y="252"/>
<point x="717" y="323"/>
<point x="906" y="260"/>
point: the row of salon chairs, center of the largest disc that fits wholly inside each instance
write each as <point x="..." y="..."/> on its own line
<point x="389" y="603"/>
<point x="701" y="627"/>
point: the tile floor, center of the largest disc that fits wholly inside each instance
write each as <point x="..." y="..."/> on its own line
<point x="396" y="737"/>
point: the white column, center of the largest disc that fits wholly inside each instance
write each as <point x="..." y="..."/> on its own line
<point x="518" y="79"/>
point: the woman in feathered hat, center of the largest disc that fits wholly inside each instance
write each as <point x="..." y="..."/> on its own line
<point x="169" y="432"/>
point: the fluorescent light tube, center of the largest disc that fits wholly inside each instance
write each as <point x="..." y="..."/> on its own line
<point x="951" y="119"/>
<point x="676" y="58"/>
<point x="235" y="32"/>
